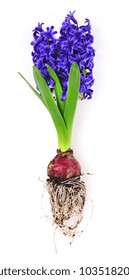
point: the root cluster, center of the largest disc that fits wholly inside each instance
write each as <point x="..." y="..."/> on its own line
<point x="67" y="199"/>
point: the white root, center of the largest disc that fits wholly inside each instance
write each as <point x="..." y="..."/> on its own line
<point x="67" y="199"/>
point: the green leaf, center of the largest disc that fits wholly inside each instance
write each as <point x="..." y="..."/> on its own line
<point x="35" y="91"/>
<point x="58" y="89"/>
<point x="72" y="96"/>
<point x="62" y="132"/>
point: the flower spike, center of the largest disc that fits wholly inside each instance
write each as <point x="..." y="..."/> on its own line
<point x="73" y="45"/>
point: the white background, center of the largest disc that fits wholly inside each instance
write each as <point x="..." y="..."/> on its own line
<point x="100" y="141"/>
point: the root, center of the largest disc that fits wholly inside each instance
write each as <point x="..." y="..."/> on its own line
<point x="67" y="199"/>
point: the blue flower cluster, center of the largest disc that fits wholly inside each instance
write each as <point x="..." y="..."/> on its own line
<point x="73" y="45"/>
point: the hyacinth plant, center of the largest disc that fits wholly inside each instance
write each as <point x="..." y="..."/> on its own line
<point x="63" y="74"/>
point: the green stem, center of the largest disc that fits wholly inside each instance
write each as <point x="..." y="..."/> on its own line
<point x="63" y="143"/>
